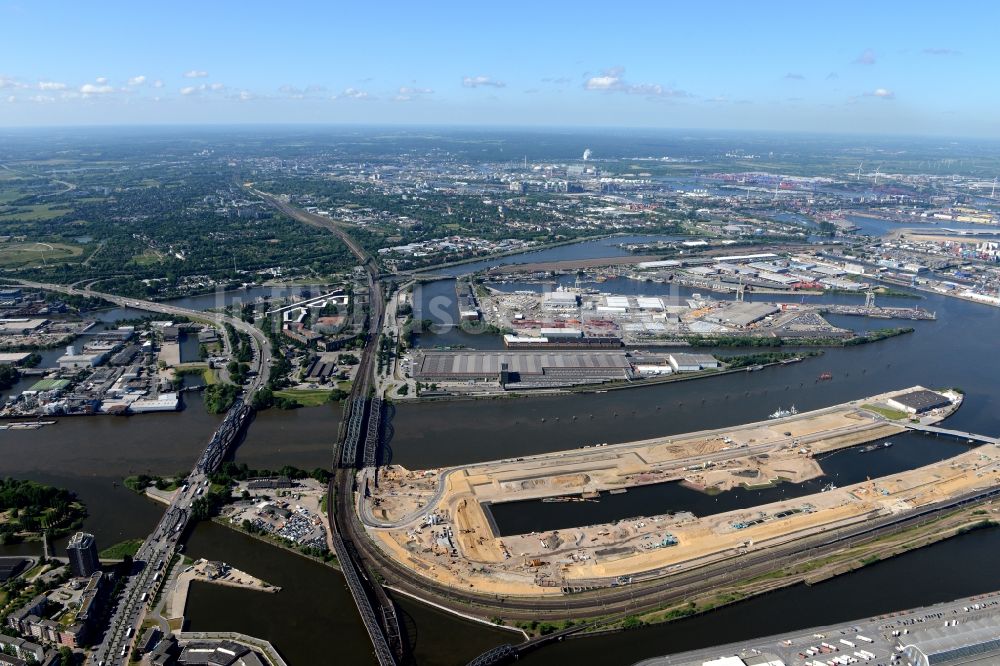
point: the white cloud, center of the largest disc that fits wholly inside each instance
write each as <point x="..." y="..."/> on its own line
<point x="794" y="76"/>
<point x="867" y="57"/>
<point x="137" y="80"/>
<point x="51" y="85"/>
<point x="353" y="93"/>
<point x="88" y="89"/>
<point x="301" y="93"/>
<point x="476" y="81"/>
<point x="8" y="82"/>
<point x="195" y="74"/>
<point x="246" y="95"/>
<point x="410" y="93"/>
<point x="612" y="80"/>
<point x="101" y="80"/>
<point x="157" y="83"/>
<point x="202" y="87"/>
<point x="42" y="99"/>
<point x="881" y="93"/>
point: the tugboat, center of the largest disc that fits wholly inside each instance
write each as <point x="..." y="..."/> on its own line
<point x="782" y="413"/>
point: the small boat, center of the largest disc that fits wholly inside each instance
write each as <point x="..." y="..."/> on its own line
<point x="828" y="487"/>
<point x="826" y="375"/>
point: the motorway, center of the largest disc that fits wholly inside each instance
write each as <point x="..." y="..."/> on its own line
<point x="159" y="547"/>
<point x="261" y="362"/>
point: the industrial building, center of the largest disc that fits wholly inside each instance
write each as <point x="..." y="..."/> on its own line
<point x="918" y="402"/>
<point x="692" y="362"/>
<point x="742" y="315"/>
<point x="736" y="661"/>
<point x="560" y="300"/>
<point x="974" y="641"/>
<point x="20" y="326"/>
<point x="462" y="365"/>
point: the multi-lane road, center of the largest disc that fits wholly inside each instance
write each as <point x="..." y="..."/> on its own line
<point x="261" y="362"/>
<point x="159" y="547"/>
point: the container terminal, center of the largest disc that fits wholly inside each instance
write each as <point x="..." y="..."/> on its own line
<point x="437" y="522"/>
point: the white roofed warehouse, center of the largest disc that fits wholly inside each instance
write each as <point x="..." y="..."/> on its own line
<point x="523" y="366"/>
<point x="970" y="642"/>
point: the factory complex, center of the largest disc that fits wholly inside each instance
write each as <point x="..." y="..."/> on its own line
<point x="583" y="318"/>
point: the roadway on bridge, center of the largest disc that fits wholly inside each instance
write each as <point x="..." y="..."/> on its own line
<point x="158" y="548"/>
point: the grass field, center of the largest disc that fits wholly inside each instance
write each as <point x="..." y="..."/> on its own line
<point x="121" y="549"/>
<point x="147" y="258"/>
<point x="33" y="212"/>
<point x="21" y="254"/>
<point x="307" y="398"/>
<point x="893" y="414"/>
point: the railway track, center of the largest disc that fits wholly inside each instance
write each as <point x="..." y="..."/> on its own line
<point x="383" y="626"/>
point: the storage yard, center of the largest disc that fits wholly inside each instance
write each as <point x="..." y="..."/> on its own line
<point x="437" y="523"/>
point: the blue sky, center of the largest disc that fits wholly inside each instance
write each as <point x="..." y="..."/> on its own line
<point x="865" y="67"/>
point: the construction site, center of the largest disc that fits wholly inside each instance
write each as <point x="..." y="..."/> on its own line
<point x="438" y="523"/>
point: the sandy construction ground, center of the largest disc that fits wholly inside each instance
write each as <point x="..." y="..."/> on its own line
<point x="434" y="522"/>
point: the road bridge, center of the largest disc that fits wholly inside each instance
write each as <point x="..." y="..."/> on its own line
<point x="306" y="303"/>
<point x="934" y="430"/>
<point x="159" y="547"/>
<point x="151" y="561"/>
<point x="260" y="364"/>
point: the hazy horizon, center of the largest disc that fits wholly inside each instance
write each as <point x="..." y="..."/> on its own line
<point x="845" y="68"/>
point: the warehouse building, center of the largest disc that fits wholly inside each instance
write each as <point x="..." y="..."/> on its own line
<point x="559" y="300"/>
<point x="21" y="326"/>
<point x="692" y="362"/>
<point x="918" y="402"/>
<point x="973" y="642"/>
<point x="742" y="315"/>
<point x="524" y="366"/>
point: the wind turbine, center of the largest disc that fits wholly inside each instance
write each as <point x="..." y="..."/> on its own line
<point x="858" y="177"/>
<point x="994" y="190"/>
<point x="876" y="175"/>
